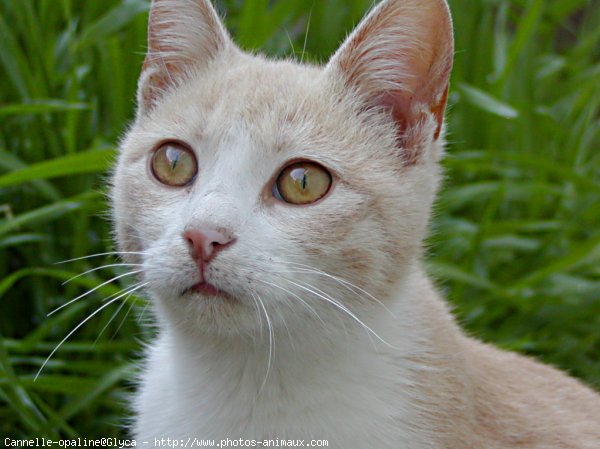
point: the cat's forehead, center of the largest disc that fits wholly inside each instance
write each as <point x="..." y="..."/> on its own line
<point x="254" y="81"/>
<point x="249" y="89"/>
<point x="273" y="103"/>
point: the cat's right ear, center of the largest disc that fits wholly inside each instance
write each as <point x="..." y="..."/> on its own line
<point x="182" y="34"/>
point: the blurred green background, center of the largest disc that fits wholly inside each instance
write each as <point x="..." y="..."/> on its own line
<point x="516" y="242"/>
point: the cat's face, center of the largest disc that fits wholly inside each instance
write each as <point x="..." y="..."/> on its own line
<point x="253" y="188"/>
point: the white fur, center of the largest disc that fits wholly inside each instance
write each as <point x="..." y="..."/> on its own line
<point x="330" y="329"/>
<point x="332" y="384"/>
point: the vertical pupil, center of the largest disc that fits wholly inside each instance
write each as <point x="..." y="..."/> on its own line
<point x="173" y="156"/>
<point x="299" y="176"/>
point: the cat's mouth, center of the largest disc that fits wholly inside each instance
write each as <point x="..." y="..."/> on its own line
<point x="205" y="288"/>
<point x="208" y="290"/>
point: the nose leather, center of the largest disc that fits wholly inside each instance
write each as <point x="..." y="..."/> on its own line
<point x="204" y="243"/>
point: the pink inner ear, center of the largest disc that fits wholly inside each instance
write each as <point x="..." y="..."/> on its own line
<point x="399" y="107"/>
<point x="399" y="104"/>
<point x="181" y="33"/>
<point x="438" y="112"/>
<point x="404" y="109"/>
<point x="400" y="58"/>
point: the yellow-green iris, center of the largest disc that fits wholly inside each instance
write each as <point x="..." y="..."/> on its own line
<point x="174" y="164"/>
<point x="302" y="183"/>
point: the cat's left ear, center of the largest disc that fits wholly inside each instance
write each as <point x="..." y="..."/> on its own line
<point x="399" y="58"/>
<point x="182" y="34"/>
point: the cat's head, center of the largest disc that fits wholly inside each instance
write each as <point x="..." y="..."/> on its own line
<point x="249" y="188"/>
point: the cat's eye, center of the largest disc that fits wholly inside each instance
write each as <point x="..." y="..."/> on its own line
<point x="302" y="183"/>
<point x="174" y="164"/>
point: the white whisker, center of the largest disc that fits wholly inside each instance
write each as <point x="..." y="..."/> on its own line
<point x="108" y="323"/>
<point x="118" y="310"/>
<point x="341" y="307"/>
<point x="126" y="314"/>
<point x="110" y="253"/>
<point x="141" y="317"/>
<point x="92" y="290"/>
<point x="256" y="306"/>
<point x="309" y="306"/>
<point x="349" y="285"/>
<point x="102" y="267"/>
<point x="312" y="309"/>
<point x="78" y="326"/>
<point x="271" y="342"/>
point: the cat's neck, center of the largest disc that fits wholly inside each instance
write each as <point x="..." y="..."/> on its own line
<point x="404" y="326"/>
<point x="315" y="375"/>
<point x="403" y="336"/>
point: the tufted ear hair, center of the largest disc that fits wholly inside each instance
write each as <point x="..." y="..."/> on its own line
<point x="181" y="34"/>
<point x="399" y="58"/>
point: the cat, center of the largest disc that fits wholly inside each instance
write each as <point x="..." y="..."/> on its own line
<point x="277" y="210"/>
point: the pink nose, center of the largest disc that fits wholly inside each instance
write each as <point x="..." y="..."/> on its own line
<point x="204" y="243"/>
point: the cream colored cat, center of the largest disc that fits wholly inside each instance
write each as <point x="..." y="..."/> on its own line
<point x="278" y="211"/>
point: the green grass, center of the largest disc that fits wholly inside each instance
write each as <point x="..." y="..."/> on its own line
<point x="516" y="246"/>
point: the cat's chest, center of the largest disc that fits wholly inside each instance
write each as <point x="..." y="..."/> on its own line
<point x="186" y="400"/>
